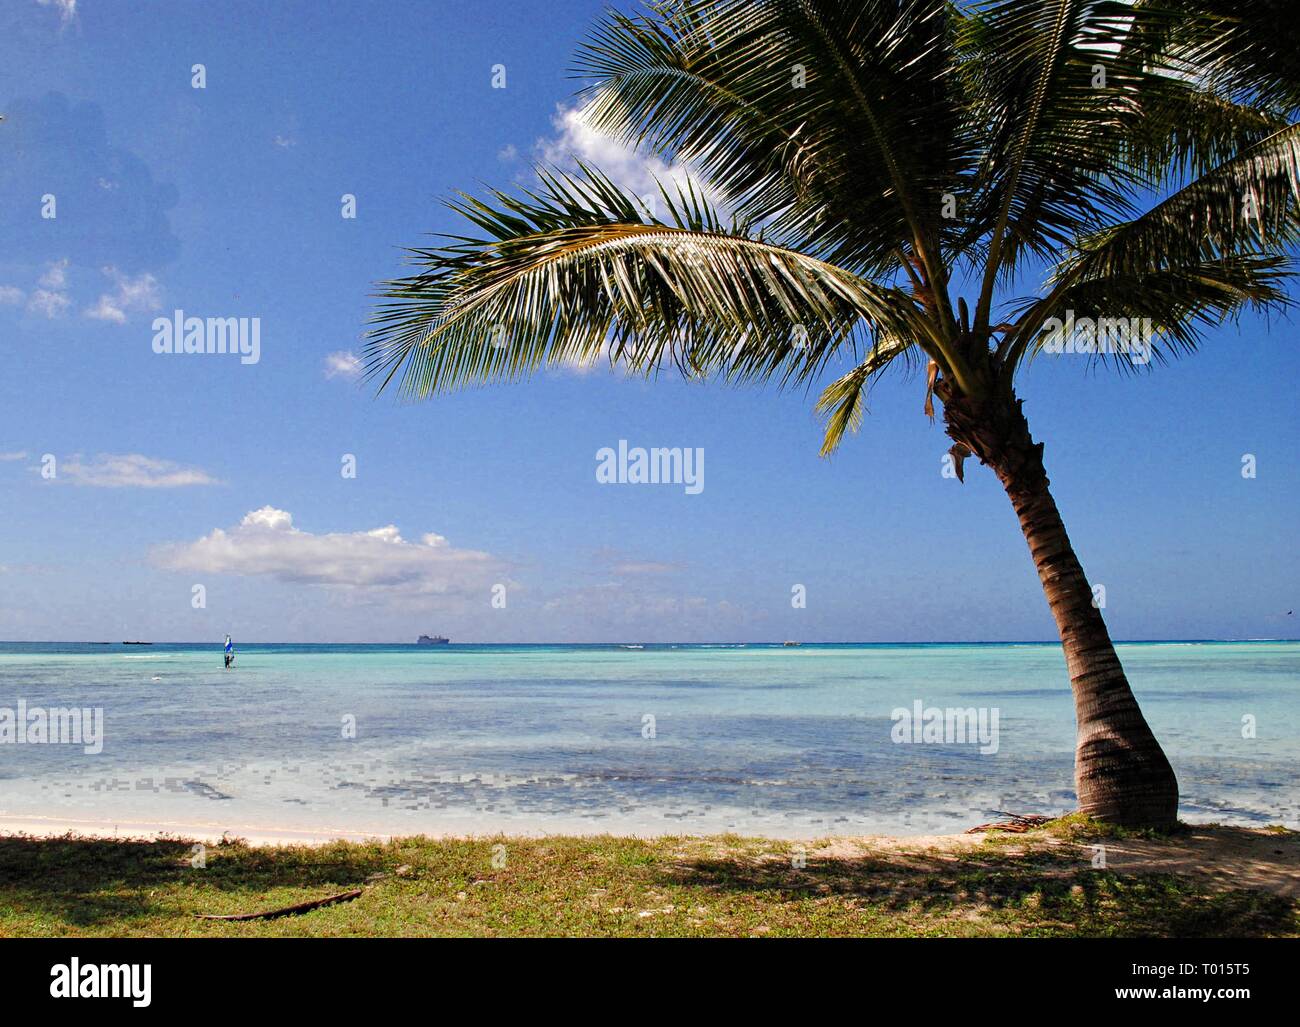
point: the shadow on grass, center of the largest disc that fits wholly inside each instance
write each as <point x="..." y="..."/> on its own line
<point x="88" y="881"/>
<point x="1033" y="894"/>
<point x="720" y="885"/>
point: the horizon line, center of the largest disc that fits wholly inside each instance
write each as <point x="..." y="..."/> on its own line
<point x="1008" y="641"/>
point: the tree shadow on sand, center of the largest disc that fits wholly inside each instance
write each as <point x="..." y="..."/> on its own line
<point x="1034" y="893"/>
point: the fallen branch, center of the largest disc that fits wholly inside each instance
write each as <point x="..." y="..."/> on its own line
<point x="1017" y="824"/>
<point x="271" y="914"/>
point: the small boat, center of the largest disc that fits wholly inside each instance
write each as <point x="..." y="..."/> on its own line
<point x="791" y="643"/>
<point x="432" y="640"/>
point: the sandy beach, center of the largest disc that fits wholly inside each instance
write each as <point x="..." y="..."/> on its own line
<point x="157" y="830"/>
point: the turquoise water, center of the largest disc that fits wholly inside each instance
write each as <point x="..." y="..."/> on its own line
<point x="788" y="742"/>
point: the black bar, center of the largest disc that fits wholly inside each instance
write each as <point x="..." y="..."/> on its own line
<point x="209" y="978"/>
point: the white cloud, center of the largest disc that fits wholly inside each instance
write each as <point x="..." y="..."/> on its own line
<point x="266" y="543"/>
<point x="67" y="8"/>
<point x="129" y="470"/>
<point x="268" y="517"/>
<point x="634" y="172"/>
<point x="6" y="458"/>
<point x="343" y="364"/>
<point x="633" y="568"/>
<point x="582" y="366"/>
<point x="284" y="142"/>
<point x="50" y="300"/>
<point x="620" y="564"/>
<point x="48" y="303"/>
<point x="637" y="174"/>
<point x="508" y="153"/>
<point x="56" y="275"/>
<point x="129" y="295"/>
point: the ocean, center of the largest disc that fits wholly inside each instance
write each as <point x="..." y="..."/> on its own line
<point x="756" y="739"/>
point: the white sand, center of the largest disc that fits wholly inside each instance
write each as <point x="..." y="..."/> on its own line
<point x="55" y="827"/>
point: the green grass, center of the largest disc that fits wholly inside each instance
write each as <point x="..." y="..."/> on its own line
<point x="1080" y="827"/>
<point x="1036" y="884"/>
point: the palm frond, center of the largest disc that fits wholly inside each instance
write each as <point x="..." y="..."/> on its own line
<point x="1249" y="205"/>
<point x="1250" y="202"/>
<point x="1172" y="307"/>
<point x="830" y="122"/>
<point x="1245" y="49"/>
<point x="1175" y="131"/>
<point x="843" y="401"/>
<point x="579" y="270"/>
<point x="1031" y="70"/>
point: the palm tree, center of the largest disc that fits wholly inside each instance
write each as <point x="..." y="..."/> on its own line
<point x="879" y="162"/>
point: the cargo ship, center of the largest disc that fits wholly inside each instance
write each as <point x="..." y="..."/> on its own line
<point x="432" y="640"/>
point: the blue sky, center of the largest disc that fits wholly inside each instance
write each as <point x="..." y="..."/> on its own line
<point x="225" y="201"/>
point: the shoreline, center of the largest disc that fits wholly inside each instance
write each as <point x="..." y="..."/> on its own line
<point x="45" y="828"/>
<point x="258" y="836"/>
<point x="263" y="835"/>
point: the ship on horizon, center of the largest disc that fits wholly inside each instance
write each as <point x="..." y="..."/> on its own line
<point x="432" y="640"/>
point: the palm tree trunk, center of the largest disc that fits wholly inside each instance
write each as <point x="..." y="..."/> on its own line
<point x="1121" y="774"/>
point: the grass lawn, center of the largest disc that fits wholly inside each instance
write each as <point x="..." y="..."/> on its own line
<point x="1198" y="881"/>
